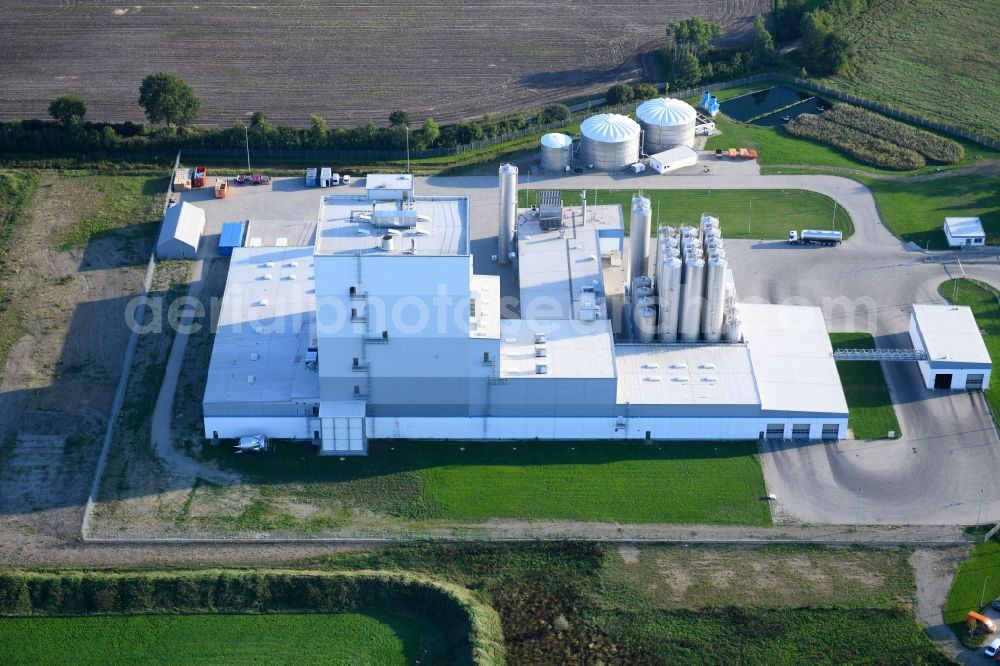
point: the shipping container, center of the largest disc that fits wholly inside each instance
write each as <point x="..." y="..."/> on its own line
<point x="233" y="235"/>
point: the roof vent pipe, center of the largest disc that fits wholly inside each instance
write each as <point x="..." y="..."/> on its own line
<point x="387" y="242"/>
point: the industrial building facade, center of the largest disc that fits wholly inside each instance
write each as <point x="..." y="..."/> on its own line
<point x="383" y="329"/>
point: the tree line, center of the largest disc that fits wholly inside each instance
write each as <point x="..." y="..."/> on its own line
<point x="171" y="107"/>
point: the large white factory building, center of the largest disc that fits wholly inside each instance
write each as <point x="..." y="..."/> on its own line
<point x="383" y="329"/>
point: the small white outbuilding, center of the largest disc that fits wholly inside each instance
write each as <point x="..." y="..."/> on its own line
<point x="964" y="231"/>
<point x="675" y="158"/>
<point x="956" y="354"/>
<point x="180" y="232"/>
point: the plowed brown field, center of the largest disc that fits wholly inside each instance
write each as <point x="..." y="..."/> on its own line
<point x="348" y="61"/>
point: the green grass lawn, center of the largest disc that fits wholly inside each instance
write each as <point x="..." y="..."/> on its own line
<point x="16" y="190"/>
<point x="115" y="202"/>
<point x="350" y="639"/>
<point x="978" y="577"/>
<point x="871" y="413"/>
<point x="915" y="210"/>
<point x="936" y="59"/>
<point x="982" y="299"/>
<point x="663" y="482"/>
<point x="770" y="213"/>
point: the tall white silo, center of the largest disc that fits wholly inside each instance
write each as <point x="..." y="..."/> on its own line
<point x="639" y="230"/>
<point x="734" y="326"/>
<point x="508" y="212"/>
<point x="713" y="310"/>
<point x="609" y="142"/>
<point x="666" y="123"/>
<point x="557" y="151"/>
<point x="692" y="293"/>
<point x="668" y="284"/>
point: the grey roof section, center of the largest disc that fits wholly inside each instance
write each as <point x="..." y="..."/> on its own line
<point x="181" y="231"/>
<point x="555" y="265"/>
<point x="347" y="226"/>
<point x="792" y="359"/>
<point x="389" y="181"/>
<point x="951" y="335"/>
<point x="699" y="374"/>
<point x="266" y="325"/>
<point x="572" y="349"/>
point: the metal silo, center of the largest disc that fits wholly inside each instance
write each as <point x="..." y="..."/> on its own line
<point x="557" y="151"/>
<point x="666" y="123"/>
<point x="713" y="310"/>
<point x="645" y="323"/>
<point x="734" y="326"/>
<point x="610" y="142"/>
<point x="642" y="220"/>
<point x="691" y="298"/>
<point x="508" y="212"/>
<point x="668" y="285"/>
<point x="641" y="281"/>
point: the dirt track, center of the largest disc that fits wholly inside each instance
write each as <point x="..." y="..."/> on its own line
<point x="350" y="62"/>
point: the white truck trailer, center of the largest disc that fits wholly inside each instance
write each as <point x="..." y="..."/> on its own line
<point x="809" y="236"/>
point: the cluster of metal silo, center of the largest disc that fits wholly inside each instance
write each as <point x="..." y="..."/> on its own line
<point x="695" y="294"/>
<point x="666" y="123"/>
<point x="609" y="142"/>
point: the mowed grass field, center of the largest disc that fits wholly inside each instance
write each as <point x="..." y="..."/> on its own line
<point x="349" y="639"/>
<point x="662" y="482"/>
<point x="742" y="213"/>
<point x="915" y="209"/>
<point x="935" y="59"/>
<point x="871" y="413"/>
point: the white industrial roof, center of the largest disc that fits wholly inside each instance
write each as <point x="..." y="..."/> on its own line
<point x="389" y="181"/>
<point x="184" y="222"/>
<point x="555" y="265"/>
<point x="792" y="358"/>
<point x="666" y="111"/>
<point x="556" y="140"/>
<point x="964" y="226"/>
<point x="609" y="127"/>
<point x="573" y="349"/>
<point x="441" y="226"/>
<point x="265" y="327"/>
<point x="685" y="374"/>
<point x="675" y="155"/>
<point x="950" y="333"/>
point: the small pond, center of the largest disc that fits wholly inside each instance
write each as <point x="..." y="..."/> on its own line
<point x="811" y="105"/>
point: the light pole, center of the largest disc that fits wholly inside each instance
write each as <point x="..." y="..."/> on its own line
<point x="857" y="521"/>
<point x="980" y="513"/>
<point x="982" y="595"/>
<point x="407" y="149"/>
<point x="749" y="217"/>
<point x="833" y="220"/>
<point x="246" y="138"/>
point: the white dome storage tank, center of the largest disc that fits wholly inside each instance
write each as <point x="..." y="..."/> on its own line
<point x="557" y="151"/>
<point x="666" y="123"/>
<point x="609" y="141"/>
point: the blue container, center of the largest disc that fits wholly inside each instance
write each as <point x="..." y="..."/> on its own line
<point x="233" y="234"/>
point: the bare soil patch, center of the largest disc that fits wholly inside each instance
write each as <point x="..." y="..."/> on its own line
<point x="350" y="62"/>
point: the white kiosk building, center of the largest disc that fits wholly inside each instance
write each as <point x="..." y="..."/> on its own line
<point x="956" y="354"/>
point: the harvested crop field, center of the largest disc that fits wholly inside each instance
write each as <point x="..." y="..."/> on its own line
<point x="350" y="62"/>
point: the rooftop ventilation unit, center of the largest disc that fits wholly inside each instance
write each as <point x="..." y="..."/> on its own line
<point x="540" y="352"/>
<point x="653" y="379"/>
<point x="541" y="369"/>
<point x="540" y="338"/>
<point x="709" y="379"/>
<point x="650" y="366"/>
<point x="680" y="379"/>
<point x="707" y="366"/>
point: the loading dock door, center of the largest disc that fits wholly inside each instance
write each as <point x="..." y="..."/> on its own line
<point x="942" y="381"/>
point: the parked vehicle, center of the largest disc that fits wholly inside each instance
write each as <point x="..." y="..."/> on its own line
<point x="335" y="178"/>
<point x="199" y="177"/>
<point x="253" y="444"/>
<point x="325" y="176"/>
<point x="995" y="604"/>
<point x="993" y="648"/>
<point x="345" y="179"/>
<point x="820" y="236"/>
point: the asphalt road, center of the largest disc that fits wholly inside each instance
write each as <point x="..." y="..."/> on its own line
<point x="945" y="469"/>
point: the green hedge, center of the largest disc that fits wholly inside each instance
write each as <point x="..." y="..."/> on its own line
<point x="860" y="145"/>
<point x="470" y="630"/>
<point x="931" y="146"/>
